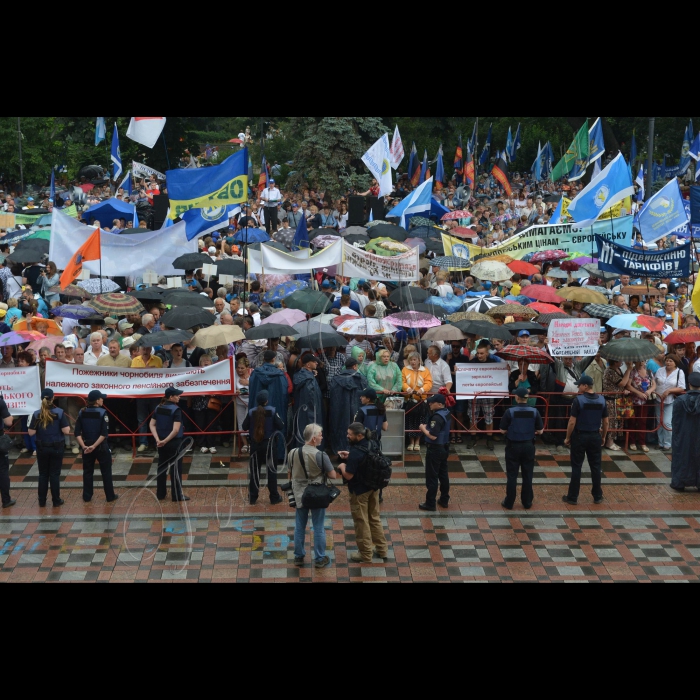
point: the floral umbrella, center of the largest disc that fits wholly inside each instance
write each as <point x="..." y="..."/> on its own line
<point x="99" y="286"/>
<point x="512" y="310"/>
<point x="23" y="326"/>
<point x="412" y="319"/>
<point x="455" y="215"/>
<point x="492" y="271"/>
<point x="470" y="316"/>
<point x="282" y="291"/>
<point x="71" y="291"/>
<point x="462" y="232"/>
<point x="367" y="327"/>
<point x="549" y="256"/>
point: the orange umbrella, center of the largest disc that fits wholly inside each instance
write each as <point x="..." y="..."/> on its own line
<point x="53" y="327"/>
<point x="520" y="267"/>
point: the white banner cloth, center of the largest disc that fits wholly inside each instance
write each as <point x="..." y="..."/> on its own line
<point x="21" y="390"/>
<point x="402" y="268"/>
<point x="578" y="337"/>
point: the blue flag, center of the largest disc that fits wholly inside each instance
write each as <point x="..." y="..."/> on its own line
<point x="440" y="170"/>
<point x="663" y="214"/>
<point x="637" y="263"/>
<point x="126" y="184"/>
<point x="301" y="238"/>
<point x="424" y="168"/>
<point x="642" y="184"/>
<point x="517" y="144"/>
<point x="116" y="154"/>
<point x="556" y="216"/>
<point x="472" y="141"/>
<point x="685" y="152"/>
<point x="509" y="144"/>
<point x="605" y="191"/>
<point x="412" y="162"/>
<point x="547" y="161"/>
<point x="695" y="205"/>
<point x="100" y="131"/>
<point x="202" y="222"/>
<point x="486" y="153"/>
<point x="633" y="150"/>
<point x="536" y="169"/>
<point x="597" y="142"/>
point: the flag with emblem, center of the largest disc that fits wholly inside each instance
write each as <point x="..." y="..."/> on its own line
<point x="397" y="150"/>
<point x="577" y="153"/>
<point x="116" y="154"/>
<point x="146" y="130"/>
<point x="459" y="160"/>
<point x="500" y="172"/>
<point x="469" y="172"/>
<point x="378" y="162"/>
<point x="91" y="251"/>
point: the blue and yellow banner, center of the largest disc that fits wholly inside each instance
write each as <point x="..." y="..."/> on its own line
<point x="209" y="188"/>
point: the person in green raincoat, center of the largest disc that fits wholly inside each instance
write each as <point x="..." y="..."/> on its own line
<point x="384" y="376"/>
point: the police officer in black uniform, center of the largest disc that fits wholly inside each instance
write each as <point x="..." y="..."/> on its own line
<point x="372" y="415"/>
<point x="92" y="433"/>
<point x="437" y="438"/>
<point x="168" y="429"/>
<point x="263" y="422"/>
<point x="49" y="424"/>
<point x="6" y="421"/>
<point x="520" y="425"/>
<point x="589" y="417"/>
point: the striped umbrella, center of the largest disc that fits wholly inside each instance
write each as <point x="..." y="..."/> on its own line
<point x="116" y="304"/>
<point x="483" y="305"/>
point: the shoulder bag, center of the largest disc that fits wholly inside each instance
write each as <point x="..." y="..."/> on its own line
<point x="317" y="496"/>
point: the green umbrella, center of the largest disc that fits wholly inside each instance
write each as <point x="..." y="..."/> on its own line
<point x="629" y="350"/>
<point x="308" y="301"/>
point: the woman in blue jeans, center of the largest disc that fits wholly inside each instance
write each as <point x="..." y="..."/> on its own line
<point x="307" y="466"/>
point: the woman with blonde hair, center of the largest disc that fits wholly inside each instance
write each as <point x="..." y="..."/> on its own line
<point x="417" y="384"/>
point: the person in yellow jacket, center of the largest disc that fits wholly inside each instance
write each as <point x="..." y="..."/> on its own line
<point x="417" y="384"/>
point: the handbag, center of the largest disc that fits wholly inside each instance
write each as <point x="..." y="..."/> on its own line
<point x="5" y="444"/>
<point x="215" y="404"/>
<point x="450" y="401"/>
<point x="317" y="496"/>
<point x="624" y="407"/>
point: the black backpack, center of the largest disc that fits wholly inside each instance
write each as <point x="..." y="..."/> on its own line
<point x="376" y="471"/>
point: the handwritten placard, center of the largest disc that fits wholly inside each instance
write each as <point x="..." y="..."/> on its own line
<point x="482" y="381"/>
<point x="575" y="337"/>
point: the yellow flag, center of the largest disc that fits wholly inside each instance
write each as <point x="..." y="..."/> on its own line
<point x="696" y="298"/>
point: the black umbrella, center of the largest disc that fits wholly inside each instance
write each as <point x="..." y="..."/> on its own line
<point x="234" y="268"/>
<point x="192" y="261"/>
<point x="420" y="232"/>
<point x="270" y="330"/>
<point x="28" y="255"/>
<point x="193" y="300"/>
<point x="484" y="330"/>
<point x="94" y="320"/>
<point x="396" y="233"/>
<point x="355" y="231"/>
<point x="435" y="246"/>
<point x="552" y="199"/>
<point x="318" y="341"/>
<point x="408" y="295"/>
<point x="188" y="317"/>
<point x="155" y="340"/>
<point x="431" y="309"/>
<point x="91" y="172"/>
<point x="532" y="328"/>
<point x="34" y="244"/>
<point x="150" y="294"/>
<point x="629" y="350"/>
<point x="308" y="301"/>
<point x="354" y="238"/>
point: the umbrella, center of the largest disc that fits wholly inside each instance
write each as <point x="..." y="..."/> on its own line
<point x="407" y="296"/>
<point x="99" y="286"/>
<point x="19" y="338"/>
<point x="335" y="321"/>
<point x="417" y="243"/>
<point x="629" y="350"/>
<point x="522" y="268"/>
<point x="286" y="316"/>
<point x="438" y="311"/>
<point x="199" y="301"/>
<point x="282" y="291"/>
<point x="584" y="261"/>
<point x="75" y="313"/>
<point x="117" y="304"/>
<point x="462" y="232"/>
<point x="367" y="327"/>
<point x="532" y="328"/>
<point x="545" y="308"/>
<point x="26" y="256"/>
<point x="233" y="268"/>
<point x="322" y="340"/>
<point x="192" y="261"/>
<point x="216" y="336"/>
<point x="492" y="271"/>
<point x="251" y="235"/>
<point x="422" y="232"/>
<point x="541" y="293"/>
<point x="149" y="294"/>
<point x="413" y="319"/>
<point x="24" y="326"/>
<point x="450" y="303"/>
<point x="187" y="317"/>
<point x="355" y="231"/>
<point x="271" y="330"/>
<point x="485" y="330"/>
<point x="683" y="337"/>
<point x="603" y="311"/>
<point x="71" y="291"/>
<point x="524" y="353"/>
<point x="421" y="222"/>
<point x="559" y="274"/>
<point x="271" y="244"/>
<point x="470" y="316"/>
<point x="549" y="256"/>
<point x="512" y="310"/>
<point x="595" y="271"/>
<point x="156" y="340"/>
<point x="325" y="241"/>
<point x="553" y="198"/>
<point x="483" y="305"/>
<point x="451" y="263"/>
<point x="445" y="333"/>
<point x="357" y="239"/>
<point x="309" y="302"/>
<point x="505" y="259"/>
<point x="310" y="327"/>
<point x="570" y="266"/>
<point x="546" y="319"/>
<point x="49" y="343"/>
<point x="636" y="322"/>
<point x="396" y="233"/>
<point x="455" y="215"/>
<point x="435" y="246"/>
<point x="582" y="295"/>
<point x="94" y="320"/>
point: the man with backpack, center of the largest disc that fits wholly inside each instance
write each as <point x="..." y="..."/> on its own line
<point x="366" y="471"/>
<point x="437" y="438"/>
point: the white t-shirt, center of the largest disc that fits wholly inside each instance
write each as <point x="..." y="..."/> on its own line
<point x="271" y="197"/>
<point x="444" y="290"/>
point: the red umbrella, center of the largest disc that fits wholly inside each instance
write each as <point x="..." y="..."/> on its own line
<point x="545" y="308"/>
<point x="688" y="335"/>
<point x="462" y="232"/>
<point x="338" y="322"/>
<point x="520" y="353"/>
<point x="235" y="141"/>
<point x="549" y="256"/>
<point x="520" y="267"/>
<point x="542" y="293"/>
<point x="455" y="215"/>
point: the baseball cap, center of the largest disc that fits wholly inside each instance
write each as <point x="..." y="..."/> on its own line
<point x="111" y="322"/>
<point x="172" y="391"/>
<point x="295" y="206"/>
<point x="585" y="381"/>
<point x="96" y="396"/>
<point x="326" y="284"/>
<point x="124" y="325"/>
<point x="346" y="290"/>
<point x="272" y="182"/>
<point x="524" y="334"/>
<point x="47" y="394"/>
<point x="352" y="362"/>
<point x="212" y="251"/>
<point x="522" y="393"/>
<point x="69" y="345"/>
<point x="369" y="394"/>
<point x="663" y="286"/>
<point x="437" y="398"/>
<point x="309" y="358"/>
<point x="127" y="343"/>
<point x="30" y="199"/>
<point x="694" y="379"/>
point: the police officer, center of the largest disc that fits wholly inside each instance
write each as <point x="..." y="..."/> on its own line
<point x="92" y="433"/>
<point x="372" y="415"/>
<point x="168" y="430"/>
<point x="589" y="416"/>
<point x="520" y="425"/>
<point x="49" y="424"/>
<point x="437" y="437"/>
<point x="263" y="422"/>
<point x="5" y="422"/>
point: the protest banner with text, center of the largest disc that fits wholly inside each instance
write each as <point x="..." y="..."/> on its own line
<point x="576" y="337"/>
<point x="482" y="381"/>
<point x="20" y="388"/>
<point x="401" y="268"/>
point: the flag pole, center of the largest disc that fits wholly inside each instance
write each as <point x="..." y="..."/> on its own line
<point x="167" y="155"/>
<point x="99" y="238"/>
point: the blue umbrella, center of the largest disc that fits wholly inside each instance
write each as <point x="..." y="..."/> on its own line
<point x="450" y="303"/>
<point x="76" y="313"/>
<point x="476" y="295"/>
<point x="282" y="291"/>
<point x="251" y="235"/>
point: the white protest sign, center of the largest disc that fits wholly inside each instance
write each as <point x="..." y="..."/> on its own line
<point x="575" y="337"/>
<point x="402" y="268"/>
<point x="116" y="382"/>
<point x="21" y="390"/>
<point x="482" y="381"/>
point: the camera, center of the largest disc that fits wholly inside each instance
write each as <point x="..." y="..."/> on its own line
<point x="287" y="489"/>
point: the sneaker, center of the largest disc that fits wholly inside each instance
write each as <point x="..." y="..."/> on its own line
<point x="24" y="451"/>
<point x="298" y="561"/>
<point x="75" y="450"/>
<point x="599" y="501"/>
<point x="633" y="448"/>
<point x="142" y="449"/>
<point x="205" y="450"/>
<point x="323" y="563"/>
<point x="213" y="450"/>
<point x="357" y="559"/>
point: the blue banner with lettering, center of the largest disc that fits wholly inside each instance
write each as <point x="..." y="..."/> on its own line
<point x="638" y="263"/>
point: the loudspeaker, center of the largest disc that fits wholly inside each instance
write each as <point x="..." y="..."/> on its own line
<point x="356" y="211"/>
<point x="377" y="207"/>
<point x="161" y="204"/>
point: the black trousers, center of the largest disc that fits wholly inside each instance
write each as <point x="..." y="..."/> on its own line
<point x="50" y="459"/>
<point x="103" y="457"/>
<point x="260" y="455"/>
<point x="520" y="456"/>
<point x="5" y="478"/>
<point x="168" y="463"/>
<point x="586" y="445"/>
<point x="272" y="220"/>
<point x="436" y="474"/>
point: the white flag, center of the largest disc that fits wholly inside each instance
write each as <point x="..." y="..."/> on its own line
<point x="146" y="130"/>
<point x="397" y="150"/>
<point x="378" y="160"/>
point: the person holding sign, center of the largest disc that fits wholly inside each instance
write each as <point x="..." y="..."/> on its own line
<point x="520" y="425"/>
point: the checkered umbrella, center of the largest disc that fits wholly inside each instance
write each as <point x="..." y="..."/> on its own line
<point x="116" y="304"/>
<point x="603" y="311"/>
<point x="546" y="319"/>
<point x="484" y="305"/>
<point x="451" y="263"/>
<point x="523" y="353"/>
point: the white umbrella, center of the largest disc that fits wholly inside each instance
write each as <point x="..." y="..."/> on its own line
<point x="368" y="327"/>
<point x="99" y="286"/>
<point x="492" y="271"/>
<point x="483" y="305"/>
